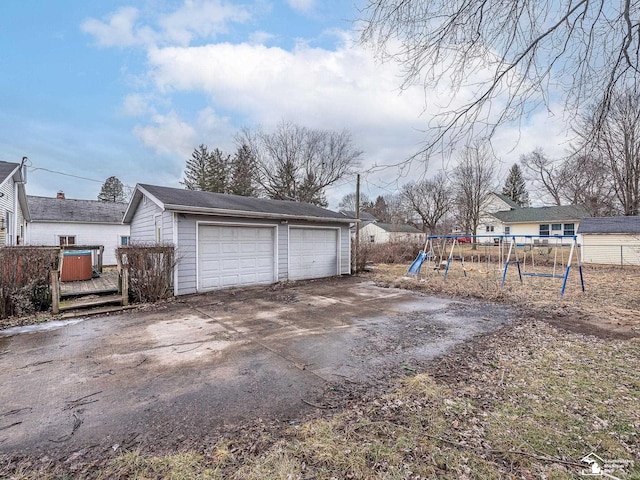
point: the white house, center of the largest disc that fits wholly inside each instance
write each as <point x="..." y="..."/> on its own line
<point x="610" y="240"/>
<point x="13" y="203"/>
<point x="66" y="221"/>
<point x="376" y="232"/>
<point x="228" y="240"/>
<point x="502" y="216"/>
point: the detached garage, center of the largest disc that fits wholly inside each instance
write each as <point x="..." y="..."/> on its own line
<point x="610" y="240"/>
<point x="227" y="240"/>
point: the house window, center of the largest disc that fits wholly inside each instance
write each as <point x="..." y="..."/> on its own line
<point x="569" y="229"/>
<point x="124" y="240"/>
<point x="9" y="228"/>
<point x="67" y="240"/>
<point x="556" y="228"/>
<point x="544" y="229"/>
<point x="372" y="238"/>
<point x="158" y="228"/>
<point x="490" y="228"/>
<point x="507" y="230"/>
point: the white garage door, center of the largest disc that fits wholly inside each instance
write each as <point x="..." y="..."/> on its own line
<point x="229" y="256"/>
<point x="313" y="253"/>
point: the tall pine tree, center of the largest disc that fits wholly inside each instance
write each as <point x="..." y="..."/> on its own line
<point x="515" y="186"/>
<point x="196" y="174"/>
<point x="112" y="191"/>
<point x="243" y="172"/>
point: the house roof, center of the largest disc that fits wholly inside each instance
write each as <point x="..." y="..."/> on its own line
<point x="506" y="200"/>
<point x="13" y="170"/>
<point x="46" y="209"/>
<point x="7" y="170"/>
<point x="398" y="228"/>
<point x="364" y="216"/>
<point x="193" y="201"/>
<point x="556" y="213"/>
<point x="610" y="225"/>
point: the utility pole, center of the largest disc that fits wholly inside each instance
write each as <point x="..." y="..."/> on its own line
<point x="355" y="263"/>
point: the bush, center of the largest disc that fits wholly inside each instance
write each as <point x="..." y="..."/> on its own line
<point x="25" y="273"/>
<point x="395" y="252"/>
<point x="150" y="269"/>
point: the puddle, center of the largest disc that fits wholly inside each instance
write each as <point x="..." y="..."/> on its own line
<point x="41" y="327"/>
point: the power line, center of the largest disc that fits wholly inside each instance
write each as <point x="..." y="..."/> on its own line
<point x="33" y="169"/>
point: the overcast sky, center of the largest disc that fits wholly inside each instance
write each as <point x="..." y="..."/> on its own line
<point x="94" y="89"/>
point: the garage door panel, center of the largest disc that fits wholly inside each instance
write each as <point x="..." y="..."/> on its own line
<point x="313" y="253"/>
<point x="235" y="255"/>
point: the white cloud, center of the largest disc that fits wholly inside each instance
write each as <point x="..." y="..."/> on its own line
<point x="302" y="5"/>
<point x="119" y="29"/>
<point x="202" y="19"/>
<point x="168" y="134"/>
<point x="136" y="105"/>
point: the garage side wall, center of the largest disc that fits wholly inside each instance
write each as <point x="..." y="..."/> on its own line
<point x="611" y="249"/>
<point x="143" y="222"/>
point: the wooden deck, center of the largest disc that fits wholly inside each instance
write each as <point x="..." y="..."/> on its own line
<point x="105" y="283"/>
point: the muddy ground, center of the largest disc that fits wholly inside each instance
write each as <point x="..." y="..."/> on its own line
<point x="189" y="372"/>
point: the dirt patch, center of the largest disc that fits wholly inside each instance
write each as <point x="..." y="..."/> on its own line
<point x="608" y="308"/>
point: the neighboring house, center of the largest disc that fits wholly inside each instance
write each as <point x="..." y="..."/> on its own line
<point x="610" y="240"/>
<point x="228" y="240"/>
<point x="365" y="219"/>
<point x="489" y="224"/>
<point x="544" y="221"/>
<point x="13" y="203"/>
<point x="387" y="232"/>
<point x="66" y="221"/>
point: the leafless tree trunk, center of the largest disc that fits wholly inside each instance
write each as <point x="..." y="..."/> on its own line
<point x="545" y="174"/>
<point x="521" y="53"/>
<point x="614" y="136"/>
<point x="588" y="183"/>
<point x="473" y="180"/>
<point x="298" y="163"/>
<point x="430" y="199"/>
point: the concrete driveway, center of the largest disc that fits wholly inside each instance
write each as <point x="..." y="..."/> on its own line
<point x="179" y="373"/>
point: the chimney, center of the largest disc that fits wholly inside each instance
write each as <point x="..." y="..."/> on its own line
<point x="60" y="195"/>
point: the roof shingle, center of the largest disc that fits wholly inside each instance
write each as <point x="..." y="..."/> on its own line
<point x="557" y="213"/>
<point x="182" y="199"/>
<point x="6" y="169"/>
<point x="610" y="225"/>
<point x="45" y="209"/>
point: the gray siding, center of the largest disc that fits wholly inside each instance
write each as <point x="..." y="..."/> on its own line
<point x="283" y="253"/>
<point x="142" y="224"/>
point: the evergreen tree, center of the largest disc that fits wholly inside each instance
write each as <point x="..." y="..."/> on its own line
<point x="112" y="191"/>
<point x="207" y="170"/>
<point x="196" y="174"/>
<point x="243" y="173"/>
<point x="515" y="187"/>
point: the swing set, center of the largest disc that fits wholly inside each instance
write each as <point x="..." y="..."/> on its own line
<point x="526" y="247"/>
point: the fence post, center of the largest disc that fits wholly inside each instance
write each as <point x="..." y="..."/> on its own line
<point x="124" y="280"/>
<point x="55" y="292"/>
<point x="621" y="258"/>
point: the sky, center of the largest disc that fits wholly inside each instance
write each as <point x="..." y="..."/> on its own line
<point x="129" y="88"/>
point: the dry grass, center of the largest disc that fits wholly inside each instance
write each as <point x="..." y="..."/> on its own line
<point x="528" y="402"/>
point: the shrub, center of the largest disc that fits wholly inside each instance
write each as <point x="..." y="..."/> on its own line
<point x="150" y="268"/>
<point x="394" y="252"/>
<point x="25" y="274"/>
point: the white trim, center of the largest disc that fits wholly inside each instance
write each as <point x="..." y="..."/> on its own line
<point x="316" y="227"/>
<point x="235" y="224"/>
<point x="155" y="228"/>
<point x="175" y="251"/>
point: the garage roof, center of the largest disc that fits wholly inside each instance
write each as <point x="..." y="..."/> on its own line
<point x="194" y="201"/>
<point x="47" y="209"/>
<point x="610" y="225"/>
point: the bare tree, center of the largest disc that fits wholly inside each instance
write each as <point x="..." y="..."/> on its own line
<point x="617" y="142"/>
<point x="473" y="180"/>
<point x="546" y="174"/>
<point x="348" y="202"/>
<point x="297" y="163"/>
<point x="587" y="182"/>
<point x="520" y="52"/>
<point x="430" y="199"/>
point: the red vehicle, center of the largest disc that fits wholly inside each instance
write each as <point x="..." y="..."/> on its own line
<point x="464" y="239"/>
